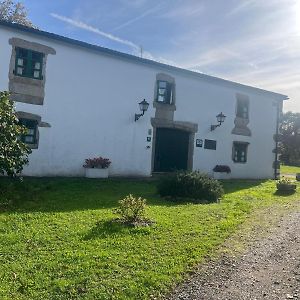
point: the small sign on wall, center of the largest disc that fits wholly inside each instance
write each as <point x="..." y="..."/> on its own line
<point x="199" y="142"/>
<point x="210" y="144"/>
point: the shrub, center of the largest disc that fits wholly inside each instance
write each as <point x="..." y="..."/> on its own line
<point x="222" y="169"/>
<point x="13" y="152"/>
<point x="131" y="209"/>
<point x="97" y="162"/>
<point x="284" y="180"/>
<point x="194" y="186"/>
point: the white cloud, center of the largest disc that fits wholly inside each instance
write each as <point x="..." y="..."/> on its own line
<point x="141" y="16"/>
<point x="136" y="48"/>
<point x="243" y="5"/>
<point x="87" y="27"/>
<point x="183" y="11"/>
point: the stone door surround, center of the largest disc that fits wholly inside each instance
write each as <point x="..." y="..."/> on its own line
<point x="191" y="128"/>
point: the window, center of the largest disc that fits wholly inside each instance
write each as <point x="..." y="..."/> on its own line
<point x="242" y="110"/>
<point x="210" y="144"/>
<point x="239" y="154"/>
<point x="164" y="92"/>
<point x="30" y="137"/>
<point x="28" y="63"/>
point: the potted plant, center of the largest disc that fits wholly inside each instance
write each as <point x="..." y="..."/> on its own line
<point x="285" y="185"/>
<point x="221" y="172"/>
<point x="96" y="167"/>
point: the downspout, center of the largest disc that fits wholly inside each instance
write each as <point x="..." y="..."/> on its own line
<point x="276" y="143"/>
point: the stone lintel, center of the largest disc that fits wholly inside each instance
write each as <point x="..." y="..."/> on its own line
<point x="17" y="42"/>
<point x="186" y="126"/>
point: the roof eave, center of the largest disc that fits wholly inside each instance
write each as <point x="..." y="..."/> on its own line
<point x="114" y="53"/>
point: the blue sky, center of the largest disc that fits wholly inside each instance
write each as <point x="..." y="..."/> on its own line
<point x="254" y="42"/>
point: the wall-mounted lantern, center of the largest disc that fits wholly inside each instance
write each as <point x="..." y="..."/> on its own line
<point x="143" y="107"/>
<point x="220" y="119"/>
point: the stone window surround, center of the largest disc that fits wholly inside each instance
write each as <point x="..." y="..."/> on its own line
<point x="233" y="148"/>
<point x="38" y="119"/>
<point x="240" y="124"/>
<point x="242" y="100"/>
<point x="164" y="118"/>
<point x="24" y="89"/>
<point x="165" y="110"/>
<point x="191" y="128"/>
<point x="171" y="81"/>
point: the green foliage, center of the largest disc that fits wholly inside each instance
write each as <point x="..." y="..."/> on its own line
<point x="284" y="180"/>
<point x="14" y="12"/>
<point x="13" y="152"/>
<point x="194" y="186"/>
<point x="131" y="209"/>
<point x="97" y="162"/>
<point x="289" y="146"/>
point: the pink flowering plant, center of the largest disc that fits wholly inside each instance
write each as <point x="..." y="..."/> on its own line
<point x="97" y="163"/>
<point x="222" y="169"/>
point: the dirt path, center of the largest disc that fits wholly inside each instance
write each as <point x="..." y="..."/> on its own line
<point x="268" y="269"/>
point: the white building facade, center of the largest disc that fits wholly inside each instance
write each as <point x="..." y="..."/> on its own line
<point x="79" y="101"/>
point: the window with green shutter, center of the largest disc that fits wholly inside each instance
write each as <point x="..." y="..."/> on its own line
<point x="164" y="92"/>
<point x="28" y="63"/>
<point x="31" y="135"/>
<point x="239" y="150"/>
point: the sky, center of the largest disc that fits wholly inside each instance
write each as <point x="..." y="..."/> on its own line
<point x="254" y="42"/>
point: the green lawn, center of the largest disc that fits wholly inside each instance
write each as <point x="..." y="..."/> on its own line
<point x="60" y="243"/>
<point x="289" y="169"/>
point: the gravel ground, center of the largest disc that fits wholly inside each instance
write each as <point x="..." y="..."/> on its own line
<point x="268" y="269"/>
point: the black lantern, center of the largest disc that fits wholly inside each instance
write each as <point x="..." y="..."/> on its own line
<point x="143" y="107"/>
<point x="220" y="119"/>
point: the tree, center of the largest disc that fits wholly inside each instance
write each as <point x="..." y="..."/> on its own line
<point x="13" y="152"/>
<point x="290" y="138"/>
<point x="14" y="13"/>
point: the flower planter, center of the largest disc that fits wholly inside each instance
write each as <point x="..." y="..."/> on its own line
<point x="282" y="187"/>
<point x="221" y="175"/>
<point x="96" y="173"/>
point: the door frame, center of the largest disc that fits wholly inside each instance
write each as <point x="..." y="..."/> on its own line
<point x="189" y="127"/>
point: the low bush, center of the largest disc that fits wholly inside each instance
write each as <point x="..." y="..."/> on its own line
<point x="285" y="180"/>
<point x="193" y="186"/>
<point x="131" y="209"/>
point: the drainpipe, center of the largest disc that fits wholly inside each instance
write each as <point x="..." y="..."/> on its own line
<point x="276" y="142"/>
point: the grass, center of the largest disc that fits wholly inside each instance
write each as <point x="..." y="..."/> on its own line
<point x="58" y="242"/>
<point x="289" y="169"/>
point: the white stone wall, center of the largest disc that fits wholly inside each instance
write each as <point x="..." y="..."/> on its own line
<point x="91" y="100"/>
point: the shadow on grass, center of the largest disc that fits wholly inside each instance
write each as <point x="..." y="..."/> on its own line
<point x="235" y="185"/>
<point x="73" y="194"/>
<point x="285" y="193"/>
<point x="77" y="194"/>
<point x="103" y="229"/>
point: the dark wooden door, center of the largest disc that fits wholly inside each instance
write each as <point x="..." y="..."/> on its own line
<point x="171" y="150"/>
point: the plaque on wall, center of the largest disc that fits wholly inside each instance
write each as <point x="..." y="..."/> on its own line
<point x="199" y="142"/>
<point x="210" y="144"/>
